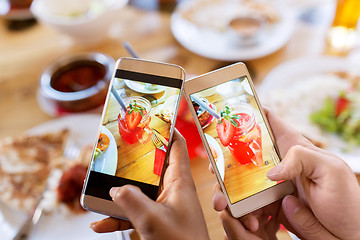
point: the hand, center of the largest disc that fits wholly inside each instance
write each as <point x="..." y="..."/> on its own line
<point x="325" y="205"/>
<point x="176" y="214"/>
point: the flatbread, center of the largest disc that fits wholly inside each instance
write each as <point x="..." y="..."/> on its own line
<point x="25" y="164"/>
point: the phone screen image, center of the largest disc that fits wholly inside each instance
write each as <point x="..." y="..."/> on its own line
<point x="134" y="133"/>
<point x="237" y="136"/>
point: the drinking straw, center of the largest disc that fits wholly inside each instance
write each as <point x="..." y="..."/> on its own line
<point x="130" y="50"/>
<point x="118" y="98"/>
<point x="205" y="106"/>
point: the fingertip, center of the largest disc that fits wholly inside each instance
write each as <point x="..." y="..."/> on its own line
<point x="291" y="205"/>
<point x="110" y="224"/>
<point x="251" y="223"/>
<point x="119" y="194"/>
<point x="276" y="172"/>
<point x="219" y="202"/>
<point x="211" y="169"/>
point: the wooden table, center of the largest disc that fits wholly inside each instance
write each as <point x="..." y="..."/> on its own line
<point x="25" y="54"/>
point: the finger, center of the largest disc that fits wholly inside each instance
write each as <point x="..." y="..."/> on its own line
<point x="303" y="220"/>
<point x="233" y="228"/>
<point x="179" y="164"/>
<point x="211" y="168"/>
<point x="110" y="225"/>
<point x="285" y="136"/>
<point x="250" y="222"/>
<point x="137" y="207"/>
<point x="219" y="199"/>
<point x="299" y="161"/>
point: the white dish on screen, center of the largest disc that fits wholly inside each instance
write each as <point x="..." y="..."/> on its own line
<point x="220" y="162"/>
<point x="83" y="131"/>
<point x="293" y="75"/>
<point x="214" y="44"/>
<point x="106" y="162"/>
<point x="141" y="88"/>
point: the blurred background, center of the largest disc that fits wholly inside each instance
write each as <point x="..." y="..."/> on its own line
<point x="57" y="57"/>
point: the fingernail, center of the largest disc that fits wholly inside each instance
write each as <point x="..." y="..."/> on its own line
<point x="292" y="205"/>
<point x="92" y="225"/>
<point x="113" y="191"/>
<point x="275" y="171"/>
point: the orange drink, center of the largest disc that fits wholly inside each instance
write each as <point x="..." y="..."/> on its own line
<point x="342" y="35"/>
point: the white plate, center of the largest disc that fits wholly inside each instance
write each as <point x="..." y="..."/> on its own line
<point x="220" y="163"/>
<point x="83" y="131"/>
<point x="107" y="161"/>
<point x="140" y="87"/>
<point x="216" y="45"/>
<point x="295" y="72"/>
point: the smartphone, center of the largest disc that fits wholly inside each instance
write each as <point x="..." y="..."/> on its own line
<point x="237" y="137"/>
<point x="135" y="132"/>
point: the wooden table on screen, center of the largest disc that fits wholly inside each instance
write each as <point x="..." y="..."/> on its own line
<point x="25" y="54"/>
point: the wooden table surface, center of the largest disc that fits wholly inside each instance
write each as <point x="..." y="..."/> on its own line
<point x="25" y="54"/>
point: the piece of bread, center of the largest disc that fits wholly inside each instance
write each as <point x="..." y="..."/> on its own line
<point x="25" y="164"/>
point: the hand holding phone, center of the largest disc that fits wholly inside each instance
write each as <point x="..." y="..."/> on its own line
<point x="303" y="213"/>
<point x="135" y="133"/>
<point x="177" y="213"/>
<point x="237" y="138"/>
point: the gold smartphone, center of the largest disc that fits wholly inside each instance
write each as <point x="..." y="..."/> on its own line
<point x="237" y="137"/>
<point x="135" y="133"/>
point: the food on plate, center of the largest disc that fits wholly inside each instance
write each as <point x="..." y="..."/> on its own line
<point x="205" y="13"/>
<point x="150" y="87"/>
<point x="70" y="186"/>
<point x="65" y="183"/>
<point x="214" y="153"/>
<point x="25" y="164"/>
<point x="204" y="117"/>
<point x="166" y="111"/>
<point x="246" y="26"/>
<point x="165" y="116"/>
<point x="341" y="115"/>
<point x="102" y="144"/>
<point x="298" y="104"/>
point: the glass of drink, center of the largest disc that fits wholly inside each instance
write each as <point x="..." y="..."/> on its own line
<point x="245" y="134"/>
<point x="134" y="123"/>
<point x="342" y="35"/>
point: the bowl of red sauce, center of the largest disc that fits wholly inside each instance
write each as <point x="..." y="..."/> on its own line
<point x="75" y="83"/>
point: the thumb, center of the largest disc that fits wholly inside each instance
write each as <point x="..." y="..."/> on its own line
<point x="136" y="206"/>
<point x="303" y="220"/>
<point x="298" y="161"/>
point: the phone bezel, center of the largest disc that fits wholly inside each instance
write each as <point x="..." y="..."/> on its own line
<point x="215" y="78"/>
<point x="104" y="206"/>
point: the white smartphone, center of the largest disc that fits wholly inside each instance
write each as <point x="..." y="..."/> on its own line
<point x="135" y="133"/>
<point x="237" y="137"/>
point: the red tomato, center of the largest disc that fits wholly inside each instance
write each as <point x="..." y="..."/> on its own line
<point x="225" y="131"/>
<point x="341" y="105"/>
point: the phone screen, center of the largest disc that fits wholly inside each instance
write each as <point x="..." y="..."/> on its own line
<point x="238" y="137"/>
<point x="134" y="134"/>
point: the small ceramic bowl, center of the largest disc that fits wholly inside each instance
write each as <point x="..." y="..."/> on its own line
<point x="75" y="83"/>
<point x="85" y="21"/>
<point x="246" y="30"/>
